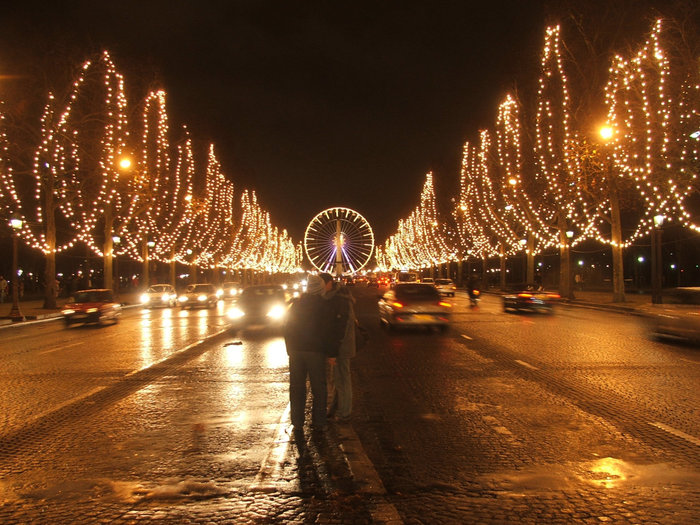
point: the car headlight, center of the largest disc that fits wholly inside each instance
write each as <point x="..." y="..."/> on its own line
<point x="276" y="312"/>
<point x="182" y="299"/>
<point x="219" y="293"/>
<point x="91" y="310"/>
<point x="165" y="297"/>
<point x="201" y="298"/>
<point x="68" y="312"/>
<point x="235" y="313"/>
<point x="145" y="298"/>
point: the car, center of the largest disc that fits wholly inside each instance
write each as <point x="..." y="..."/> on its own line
<point x="446" y="287"/>
<point x="259" y="306"/>
<point x="529" y="298"/>
<point x="96" y="305"/>
<point x="414" y="304"/>
<point x="198" y="296"/>
<point x="229" y="290"/>
<point x="159" y="295"/>
<point x="678" y="317"/>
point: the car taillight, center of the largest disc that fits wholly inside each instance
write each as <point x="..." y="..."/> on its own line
<point x="445" y="303"/>
<point x="396" y="304"/>
<point x="554" y="296"/>
<point x="475" y="292"/>
<point x="524" y="295"/>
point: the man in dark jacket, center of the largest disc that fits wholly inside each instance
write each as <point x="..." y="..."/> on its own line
<point x="311" y="339"/>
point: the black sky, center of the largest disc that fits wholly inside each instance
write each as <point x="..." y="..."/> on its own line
<point x="311" y="104"/>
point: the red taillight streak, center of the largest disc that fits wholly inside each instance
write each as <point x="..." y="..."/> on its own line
<point x="524" y="295"/>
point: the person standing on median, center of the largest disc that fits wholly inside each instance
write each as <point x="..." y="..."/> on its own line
<point x="341" y="303"/>
<point x="311" y="338"/>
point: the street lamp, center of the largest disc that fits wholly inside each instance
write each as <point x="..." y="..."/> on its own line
<point x="656" y="260"/>
<point x="15" y="312"/>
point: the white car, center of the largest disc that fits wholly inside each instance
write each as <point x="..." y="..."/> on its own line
<point x="446" y="287"/>
<point x="159" y="295"/>
<point x="198" y="296"/>
<point x="229" y="290"/>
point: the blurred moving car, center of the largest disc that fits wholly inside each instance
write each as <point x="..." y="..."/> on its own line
<point x="529" y="298"/>
<point x="678" y="316"/>
<point x="229" y="290"/>
<point x="263" y="305"/>
<point x="414" y="304"/>
<point x="91" y="306"/>
<point x="198" y="296"/>
<point x="446" y="287"/>
<point x="159" y="295"/>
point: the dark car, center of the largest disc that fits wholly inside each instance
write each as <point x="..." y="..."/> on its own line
<point x="198" y="296"/>
<point x="263" y="305"/>
<point x="414" y="304"/>
<point x="529" y="298"/>
<point x="91" y="306"/>
<point x="678" y="317"/>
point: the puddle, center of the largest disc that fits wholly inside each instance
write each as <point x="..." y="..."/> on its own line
<point x="132" y="492"/>
<point x="606" y="473"/>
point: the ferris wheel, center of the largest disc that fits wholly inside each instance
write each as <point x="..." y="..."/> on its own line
<point x="339" y="240"/>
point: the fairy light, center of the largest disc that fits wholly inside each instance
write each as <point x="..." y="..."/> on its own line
<point x="158" y="204"/>
<point x="654" y="113"/>
<point x="420" y="240"/>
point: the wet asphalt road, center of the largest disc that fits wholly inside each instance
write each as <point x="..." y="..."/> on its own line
<point x="575" y="417"/>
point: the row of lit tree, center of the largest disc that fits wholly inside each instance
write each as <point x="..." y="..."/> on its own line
<point x="123" y="188"/>
<point x="541" y="183"/>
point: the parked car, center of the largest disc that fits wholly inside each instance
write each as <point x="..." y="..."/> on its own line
<point x="530" y="298"/>
<point x="414" y="304"/>
<point x="263" y="305"/>
<point x="446" y="287"/>
<point x="159" y="295"/>
<point x="198" y="296"/>
<point x="678" y="316"/>
<point x="91" y="306"/>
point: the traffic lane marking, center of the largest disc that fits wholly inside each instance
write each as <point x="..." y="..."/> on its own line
<point x="526" y="364"/>
<point x="61" y="348"/>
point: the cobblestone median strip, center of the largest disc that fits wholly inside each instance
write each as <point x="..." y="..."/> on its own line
<point x="367" y="477"/>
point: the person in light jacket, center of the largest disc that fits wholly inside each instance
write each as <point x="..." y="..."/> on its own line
<point x="341" y="303"/>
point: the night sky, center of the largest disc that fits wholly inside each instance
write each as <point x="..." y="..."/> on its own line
<point x="310" y="104"/>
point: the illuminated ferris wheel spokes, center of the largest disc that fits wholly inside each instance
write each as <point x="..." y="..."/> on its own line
<point x="339" y="240"/>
